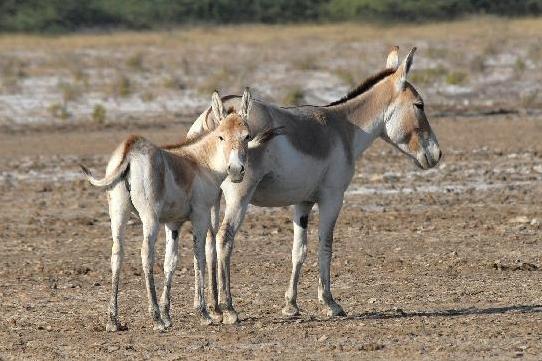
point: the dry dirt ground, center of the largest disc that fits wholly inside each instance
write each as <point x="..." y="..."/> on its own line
<point x="442" y="264"/>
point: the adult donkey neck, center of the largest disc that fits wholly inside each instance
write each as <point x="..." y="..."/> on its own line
<point x="365" y="108"/>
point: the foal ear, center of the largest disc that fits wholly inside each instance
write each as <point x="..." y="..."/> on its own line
<point x="403" y="70"/>
<point x="246" y="102"/>
<point x="218" y="107"/>
<point x="393" y="58"/>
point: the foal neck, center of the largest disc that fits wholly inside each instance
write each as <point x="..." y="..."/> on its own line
<point x="203" y="151"/>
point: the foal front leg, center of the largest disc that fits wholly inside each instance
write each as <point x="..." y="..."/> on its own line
<point x="210" y="257"/>
<point x="170" y="264"/>
<point x="200" y="225"/>
<point x="330" y="205"/>
<point x="299" y="253"/>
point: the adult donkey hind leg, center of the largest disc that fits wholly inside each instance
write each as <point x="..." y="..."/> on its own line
<point x="299" y="253"/>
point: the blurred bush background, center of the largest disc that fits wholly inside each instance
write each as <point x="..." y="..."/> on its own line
<point x="56" y="16"/>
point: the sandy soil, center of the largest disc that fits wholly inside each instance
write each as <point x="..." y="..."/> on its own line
<point x="442" y="264"/>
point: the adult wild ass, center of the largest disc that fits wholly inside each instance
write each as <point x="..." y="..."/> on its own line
<point x="314" y="163"/>
<point x="171" y="185"/>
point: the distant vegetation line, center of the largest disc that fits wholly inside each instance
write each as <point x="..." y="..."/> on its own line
<point x="55" y="16"/>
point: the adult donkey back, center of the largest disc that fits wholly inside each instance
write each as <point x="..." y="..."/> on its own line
<point x="314" y="163"/>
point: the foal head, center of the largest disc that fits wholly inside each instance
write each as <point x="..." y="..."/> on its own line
<point x="232" y="136"/>
<point x="406" y="125"/>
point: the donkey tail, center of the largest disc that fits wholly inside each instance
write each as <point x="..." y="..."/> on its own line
<point x="119" y="171"/>
<point x="108" y="180"/>
<point x="265" y="136"/>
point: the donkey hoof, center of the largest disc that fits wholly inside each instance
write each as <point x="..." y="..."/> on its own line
<point x="229" y="317"/>
<point x="290" y="310"/>
<point x="205" y="320"/>
<point x="112" y="326"/>
<point x="115" y="326"/>
<point x="335" y="310"/>
<point x="167" y="322"/>
<point x="215" y="314"/>
<point x="159" y="326"/>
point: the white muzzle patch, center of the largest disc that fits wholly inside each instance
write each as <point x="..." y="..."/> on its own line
<point x="236" y="167"/>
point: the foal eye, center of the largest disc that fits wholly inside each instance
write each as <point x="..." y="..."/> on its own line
<point x="419" y="105"/>
<point x="221" y="138"/>
<point x="247" y="137"/>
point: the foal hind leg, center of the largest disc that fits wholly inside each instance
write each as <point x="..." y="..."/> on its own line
<point x="150" y="231"/>
<point x="299" y="253"/>
<point x="170" y="264"/>
<point x="119" y="205"/>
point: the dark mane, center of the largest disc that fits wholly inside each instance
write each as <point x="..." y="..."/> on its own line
<point x="363" y="87"/>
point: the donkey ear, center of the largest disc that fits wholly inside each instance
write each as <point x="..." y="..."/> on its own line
<point x="218" y="107"/>
<point x="246" y="102"/>
<point x="403" y="70"/>
<point x="393" y="58"/>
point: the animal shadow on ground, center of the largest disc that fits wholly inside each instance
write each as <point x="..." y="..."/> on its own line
<point x="399" y="313"/>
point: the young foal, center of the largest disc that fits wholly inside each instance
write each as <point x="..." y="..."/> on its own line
<point x="314" y="163"/>
<point x="172" y="185"/>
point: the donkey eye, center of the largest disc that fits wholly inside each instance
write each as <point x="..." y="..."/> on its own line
<point x="247" y="137"/>
<point x="221" y="138"/>
<point x="419" y="105"/>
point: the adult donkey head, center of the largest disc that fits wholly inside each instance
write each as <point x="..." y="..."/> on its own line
<point x="406" y="124"/>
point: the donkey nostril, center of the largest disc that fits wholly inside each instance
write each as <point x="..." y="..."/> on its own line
<point x="439" y="154"/>
<point x="242" y="169"/>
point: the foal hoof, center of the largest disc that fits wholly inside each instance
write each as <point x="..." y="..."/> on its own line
<point x="204" y="318"/>
<point x="115" y="326"/>
<point x="215" y="314"/>
<point x="167" y="322"/>
<point x="159" y="326"/>
<point x="205" y="321"/>
<point x="112" y="326"/>
<point x="290" y="310"/>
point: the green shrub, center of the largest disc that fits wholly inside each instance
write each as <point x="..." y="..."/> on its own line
<point x="58" y="110"/>
<point x="99" y="114"/>
<point x="294" y="96"/>
<point x="456" y="77"/>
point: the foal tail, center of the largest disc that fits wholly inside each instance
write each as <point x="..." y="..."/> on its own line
<point x="118" y="172"/>
<point x="108" y="180"/>
<point x="265" y="136"/>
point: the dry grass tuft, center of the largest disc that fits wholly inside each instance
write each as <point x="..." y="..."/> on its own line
<point x="294" y="96"/>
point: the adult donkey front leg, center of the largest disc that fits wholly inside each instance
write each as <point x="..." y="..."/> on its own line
<point x="329" y="205"/>
<point x="299" y="253"/>
<point x="236" y="207"/>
